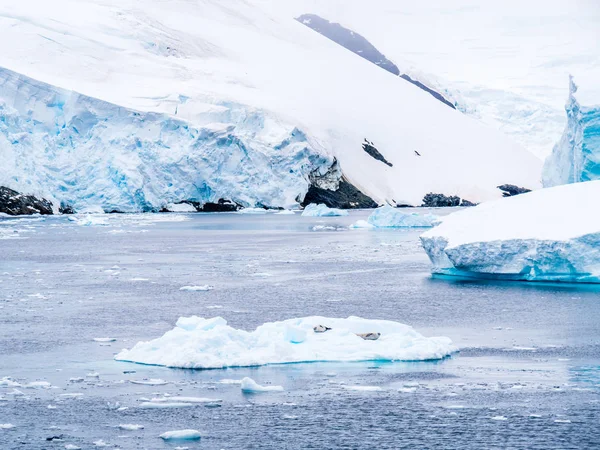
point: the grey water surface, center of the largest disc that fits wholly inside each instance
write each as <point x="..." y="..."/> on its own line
<point x="527" y="374"/>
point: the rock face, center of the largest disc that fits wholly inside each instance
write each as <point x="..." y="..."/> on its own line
<point x="14" y="204"/>
<point x="508" y="190"/>
<point x="370" y="148"/>
<point x="332" y="189"/>
<point x="432" y="200"/>
<point x="222" y="205"/>
<point x="359" y="45"/>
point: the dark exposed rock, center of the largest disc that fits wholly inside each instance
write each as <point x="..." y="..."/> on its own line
<point x="221" y="205"/>
<point x="359" y="45"/>
<point x="332" y="189"/>
<point x="372" y="150"/>
<point x="14" y="203"/>
<point x="467" y="203"/>
<point x="432" y="200"/>
<point x="66" y="209"/>
<point x="115" y="211"/>
<point x="508" y="190"/>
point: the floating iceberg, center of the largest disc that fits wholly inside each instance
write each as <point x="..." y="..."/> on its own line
<point x="251" y="386"/>
<point x="188" y="435"/>
<point x="576" y="157"/>
<point x="546" y="235"/>
<point x="198" y="343"/>
<point x="388" y="217"/>
<point x="321" y="210"/>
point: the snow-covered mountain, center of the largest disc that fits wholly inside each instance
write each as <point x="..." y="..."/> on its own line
<point x="506" y="63"/>
<point x="128" y="105"/>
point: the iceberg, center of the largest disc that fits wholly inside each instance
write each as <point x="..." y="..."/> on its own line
<point x="576" y="157"/>
<point x="184" y="435"/>
<point x="251" y="386"/>
<point x="199" y="343"/>
<point x="546" y="235"/>
<point x="388" y="217"/>
<point x="321" y="210"/>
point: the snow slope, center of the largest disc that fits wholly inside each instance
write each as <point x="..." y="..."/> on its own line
<point x="576" y="157"/>
<point x="547" y="235"/>
<point x="199" y="343"/>
<point x="506" y="63"/>
<point x="127" y="105"/>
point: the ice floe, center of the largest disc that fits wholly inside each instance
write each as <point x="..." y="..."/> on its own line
<point x="249" y="385"/>
<point x="203" y="287"/>
<point x="105" y="339"/>
<point x="388" y="217"/>
<point x="181" y="435"/>
<point x="131" y="426"/>
<point x="321" y="210"/>
<point x="197" y="343"/>
<point x="150" y="382"/>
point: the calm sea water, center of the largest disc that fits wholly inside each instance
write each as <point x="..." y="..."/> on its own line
<point x="527" y="375"/>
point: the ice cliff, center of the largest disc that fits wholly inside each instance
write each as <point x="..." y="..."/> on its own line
<point x="576" y="157"/>
<point x="547" y="235"/>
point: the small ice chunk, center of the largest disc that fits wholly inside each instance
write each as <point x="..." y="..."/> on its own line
<point x="6" y="426"/>
<point x="150" y="382"/>
<point x="105" y="339"/>
<point x="499" y="418"/>
<point x="229" y="381"/>
<point x="72" y="447"/>
<point x="562" y="421"/>
<point x="131" y="426"/>
<point x="139" y="279"/>
<point x="249" y="385"/>
<point x="51" y="407"/>
<point x="321" y="210"/>
<point x="76" y="380"/>
<point x="285" y="212"/>
<point x="187" y="435"/>
<point x="101" y="443"/>
<point x="203" y="287"/>
<point x="93" y="375"/>
<point x="38" y="384"/>
<point x="72" y="395"/>
<point x="362" y="224"/>
<point x="9" y="382"/>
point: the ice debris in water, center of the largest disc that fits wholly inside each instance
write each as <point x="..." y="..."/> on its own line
<point x="72" y="447"/>
<point x="190" y="435"/>
<point x="185" y="400"/>
<point x="547" y="235"/>
<point x="203" y="287"/>
<point x="150" y="382"/>
<point x="285" y="212"/>
<point x="363" y="388"/>
<point x="249" y="385"/>
<point x="87" y="220"/>
<point x="321" y="210"/>
<point x="131" y="426"/>
<point x="196" y="343"/>
<point x="388" y="217"/>
<point x="105" y="339"/>
<point x="6" y="426"/>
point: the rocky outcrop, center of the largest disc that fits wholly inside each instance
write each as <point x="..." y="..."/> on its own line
<point x="14" y="203"/>
<point x="359" y="45"/>
<point x="432" y="200"/>
<point x="508" y="190"/>
<point x="65" y="208"/>
<point x="370" y="148"/>
<point x="335" y="191"/>
<point x="222" y="205"/>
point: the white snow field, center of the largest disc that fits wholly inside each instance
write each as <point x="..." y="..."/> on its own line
<point x="321" y="210"/>
<point x="114" y="104"/>
<point x="547" y="235"/>
<point x="506" y="63"/>
<point x="199" y="343"/>
<point x="388" y="217"/>
<point x="576" y="157"/>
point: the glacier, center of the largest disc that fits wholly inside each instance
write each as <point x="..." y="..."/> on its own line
<point x="546" y="235"/>
<point x="118" y="107"/>
<point x="388" y="217"/>
<point x="210" y="343"/>
<point x="576" y="157"/>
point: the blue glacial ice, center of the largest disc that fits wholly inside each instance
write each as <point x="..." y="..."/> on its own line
<point x="576" y="157"/>
<point x="321" y="210"/>
<point x="96" y="155"/>
<point x="388" y="217"/>
<point x="546" y="235"/>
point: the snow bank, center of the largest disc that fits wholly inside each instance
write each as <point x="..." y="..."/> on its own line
<point x="199" y="343"/>
<point x="547" y="235"/>
<point x="321" y="210"/>
<point x="388" y="217"/>
<point x="250" y="386"/>
<point x="576" y="157"/>
<point x="189" y="435"/>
